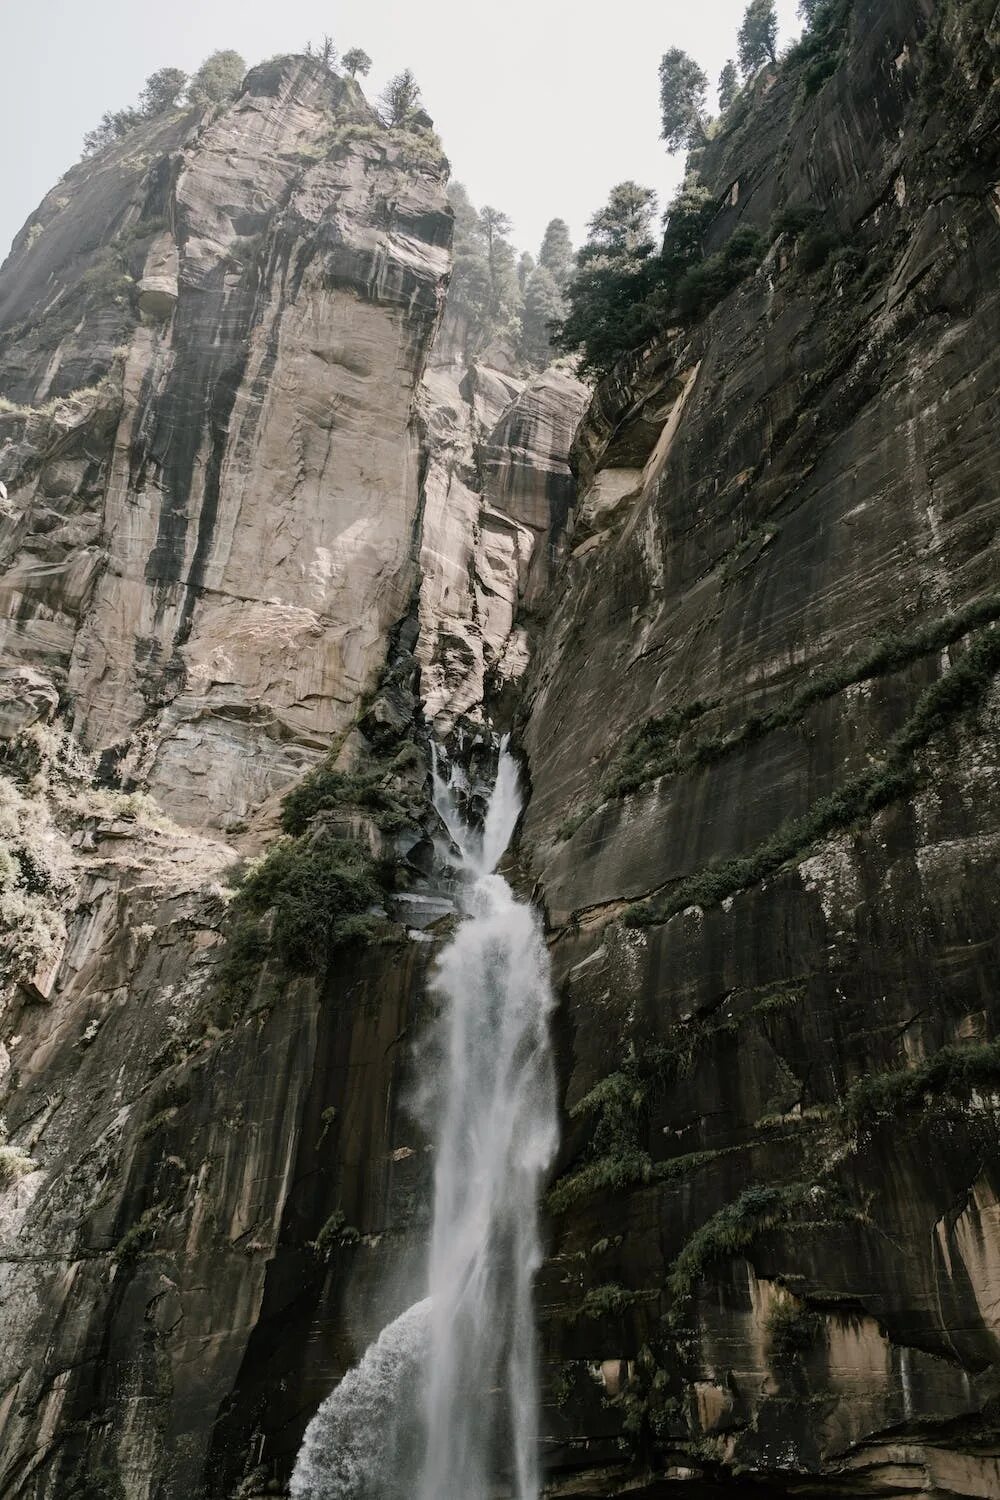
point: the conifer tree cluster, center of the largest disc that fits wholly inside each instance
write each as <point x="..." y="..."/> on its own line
<point x="503" y="298"/>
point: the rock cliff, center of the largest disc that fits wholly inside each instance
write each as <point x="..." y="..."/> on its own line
<point x="762" y="738"/>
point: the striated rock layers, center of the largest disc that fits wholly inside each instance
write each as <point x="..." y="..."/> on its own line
<point x="762" y="731"/>
<point x="265" y="528"/>
<point x="239" y="501"/>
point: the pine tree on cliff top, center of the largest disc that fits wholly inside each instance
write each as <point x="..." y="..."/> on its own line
<point x="729" y="86"/>
<point x="399" y="99"/>
<point x="683" y="89"/>
<point x="356" y="60"/>
<point x="757" y="38"/>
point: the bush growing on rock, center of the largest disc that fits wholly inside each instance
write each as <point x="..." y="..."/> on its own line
<point x="218" y="78"/>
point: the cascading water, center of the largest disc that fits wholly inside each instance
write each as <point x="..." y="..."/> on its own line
<point x="473" y="1338"/>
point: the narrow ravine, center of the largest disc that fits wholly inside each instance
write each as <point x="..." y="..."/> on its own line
<point x="449" y="1390"/>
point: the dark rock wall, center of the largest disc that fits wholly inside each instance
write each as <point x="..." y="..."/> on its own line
<point x="756" y="1271"/>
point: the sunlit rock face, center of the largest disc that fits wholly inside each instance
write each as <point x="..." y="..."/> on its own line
<point x="246" y="503"/>
<point x="764" y="497"/>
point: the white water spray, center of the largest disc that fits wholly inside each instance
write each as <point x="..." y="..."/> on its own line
<point x="495" y="1138"/>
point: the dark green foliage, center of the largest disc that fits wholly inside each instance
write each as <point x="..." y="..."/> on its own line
<point x="792" y="1326"/>
<point x="326" y="790"/>
<point x="704" y="285"/>
<point x="620" y="1102"/>
<point x="794" y="219"/>
<point x="652" y="749"/>
<point x="609" y="1300"/>
<point x="114" y="126"/>
<point x="954" y="1072"/>
<point x="623" y="292"/>
<point x="556" y="253"/>
<point x="484" y="289"/>
<point x="734" y="1229"/>
<point x="822" y="48"/>
<point x="861" y="796"/>
<point x="729" y="86"/>
<point x="218" y="78"/>
<point x="757" y="38"/>
<point x="683" y="90"/>
<point x="162" y="92"/>
<point x="316" y="891"/>
<point x="543" y="308"/>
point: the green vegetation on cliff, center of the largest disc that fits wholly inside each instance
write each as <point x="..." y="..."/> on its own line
<point x="887" y="780"/>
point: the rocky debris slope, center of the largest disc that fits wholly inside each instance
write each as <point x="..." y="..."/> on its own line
<point x="763" y="740"/>
<point x="229" y="556"/>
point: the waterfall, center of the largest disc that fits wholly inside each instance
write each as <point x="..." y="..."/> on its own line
<point x="495" y="1135"/>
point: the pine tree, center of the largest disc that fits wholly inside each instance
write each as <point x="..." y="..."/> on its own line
<point x="809" y="9"/>
<point x="729" y="85"/>
<point x="525" y="266"/>
<point x="683" y="88"/>
<point x="354" y="61"/>
<point x="624" y="226"/>
<point x="544" y="306"/>
<point x="400" y="98"/>
<point x="484" y="286"/>
<point x="556" y="254"/>
<point x="161" y="92"/>
<point x="757" y="38"/>
<point x="218" y="78"/>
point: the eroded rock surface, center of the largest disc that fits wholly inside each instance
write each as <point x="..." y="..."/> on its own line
<point x="768" y="1258"/>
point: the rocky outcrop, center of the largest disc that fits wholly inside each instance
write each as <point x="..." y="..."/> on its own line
<point x="762" y="736"/>
<point x="239" y="582"/>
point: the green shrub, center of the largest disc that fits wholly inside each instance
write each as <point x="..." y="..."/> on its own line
<point x="326" y="790"/>
<point x="313" y="888"/>
<point x="792" y="1326"/>
<point x="732" y="1230"/>
<point x="954" y="1071"/>
<point x="609" y="1300"/>
<point x="705" y="285"/>
<point x="861" y="796"/>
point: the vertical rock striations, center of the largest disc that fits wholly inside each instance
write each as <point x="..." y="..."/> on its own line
<point x="763" y="750"/>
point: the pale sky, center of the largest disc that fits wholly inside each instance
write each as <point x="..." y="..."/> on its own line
<point x="542" y="105"/>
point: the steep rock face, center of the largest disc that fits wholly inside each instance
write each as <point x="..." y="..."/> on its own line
<point x="240" y="577"/>
<point x="497" y="493"/>
<point x="768" y="1256"/>
<point x="233" y="455"/>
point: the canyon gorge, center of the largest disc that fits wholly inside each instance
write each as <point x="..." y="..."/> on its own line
<point x="280" y="546"/>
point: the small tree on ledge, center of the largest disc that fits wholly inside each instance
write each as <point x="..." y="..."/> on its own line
<point x="355" y="61"/>
<point x="683" y="87"/>
<point x="757" y="38"/>
<point x="399" y="99"/>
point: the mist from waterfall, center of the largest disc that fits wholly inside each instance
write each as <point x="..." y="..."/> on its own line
<point x="473" y="1404"/>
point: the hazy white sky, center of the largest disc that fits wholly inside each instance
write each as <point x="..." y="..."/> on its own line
<point x="542" y="104"/>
